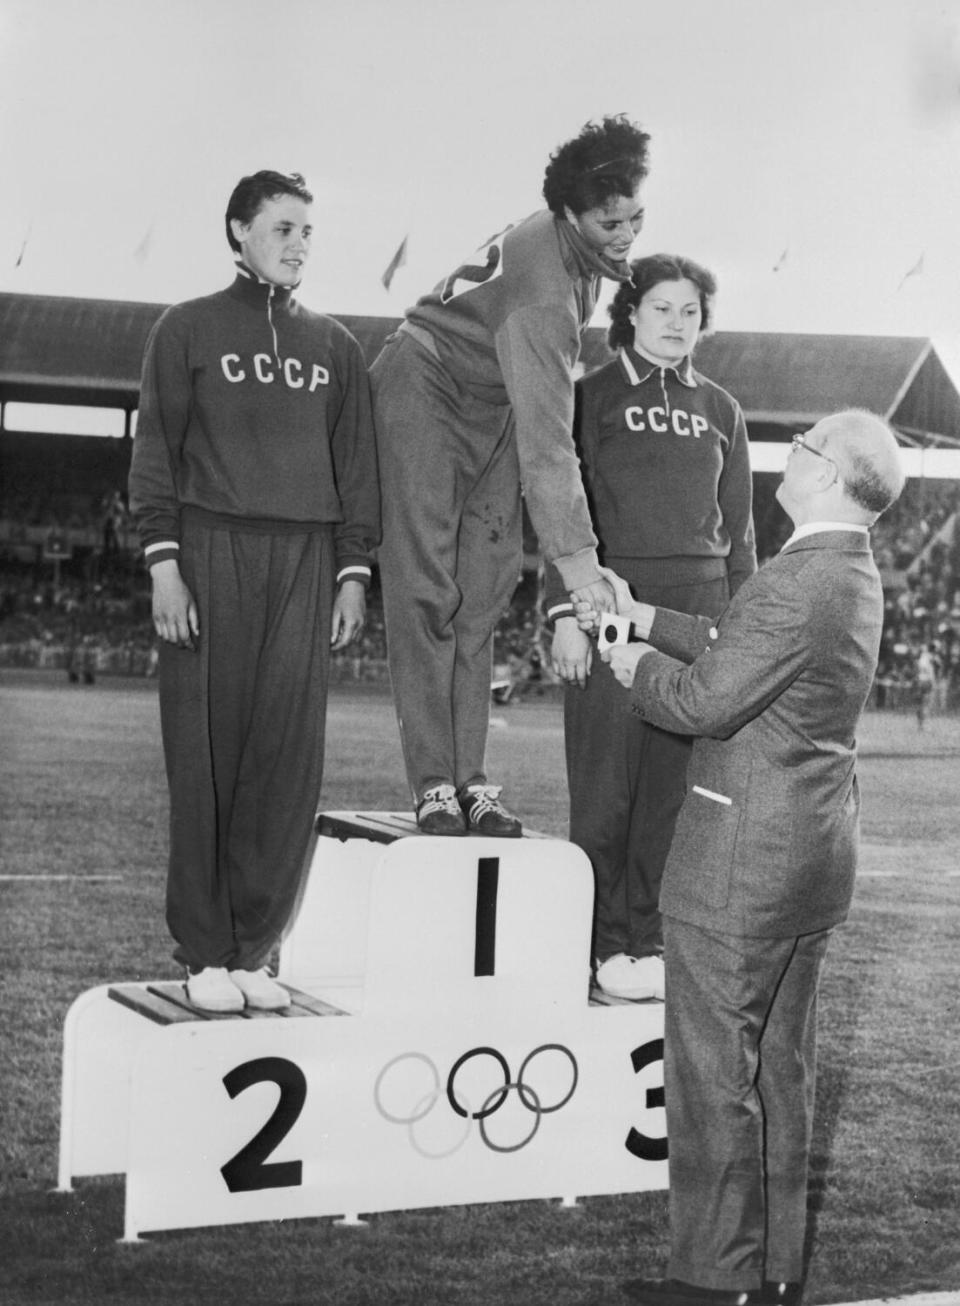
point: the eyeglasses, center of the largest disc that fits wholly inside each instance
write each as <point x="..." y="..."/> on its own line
<point x="800" y="442"/>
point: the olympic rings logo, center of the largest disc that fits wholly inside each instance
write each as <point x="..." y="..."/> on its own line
<point x="409" y="1087"/>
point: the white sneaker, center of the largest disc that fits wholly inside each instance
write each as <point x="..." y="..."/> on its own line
<point x="259" y="990"/>
<point x="649" y="974"/>
<point x="211" y="989"/>
<point x="634" y="978"/>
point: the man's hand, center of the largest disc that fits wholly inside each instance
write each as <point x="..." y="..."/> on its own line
<point x="571" y="652"/>
<point x="175" y="616"/>
<point x="349" y="614"/>
<point x="623" y="659"/>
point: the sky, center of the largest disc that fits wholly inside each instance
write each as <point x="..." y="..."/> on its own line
<point x="808" y="151"/>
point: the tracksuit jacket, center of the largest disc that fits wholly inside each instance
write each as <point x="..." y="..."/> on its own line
<point x="666" y="467"/>
<point x="254" y="407"/>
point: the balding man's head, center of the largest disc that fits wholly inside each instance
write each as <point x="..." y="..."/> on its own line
<point x="867" y="457"/>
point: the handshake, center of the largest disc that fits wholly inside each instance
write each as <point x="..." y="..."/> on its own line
<point x="608" y="610"/>
<point x="620" y="623"/>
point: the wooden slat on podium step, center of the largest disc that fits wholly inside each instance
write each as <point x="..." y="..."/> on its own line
<point x="156" y="1006"/>
<point x="306" y="1004"/>
<point x="167" y="1004"/>
<point x="380" y="827"/>
<point x="302" y="1005"/>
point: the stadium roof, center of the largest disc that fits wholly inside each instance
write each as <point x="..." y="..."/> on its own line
<point x="787" y="378"/>
<point x="88" y="351"/>
<point x="56" y="350"/>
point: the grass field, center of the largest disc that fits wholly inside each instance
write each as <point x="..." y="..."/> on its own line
<point x="82" y="823"/>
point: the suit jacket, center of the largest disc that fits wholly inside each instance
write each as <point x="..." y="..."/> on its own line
<point x="766" y="840"/>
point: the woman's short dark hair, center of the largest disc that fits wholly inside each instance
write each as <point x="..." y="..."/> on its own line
<point x="251" y="193"/>
<point x="647" y="273"/>
<point x="608" y="158"/>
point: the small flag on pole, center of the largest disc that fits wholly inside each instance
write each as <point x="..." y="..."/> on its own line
<point x="398" y="260"/>
<point x="781" y="260"/>
<point x="915" y="271"/>
<point x="142" y="251"/>
<point x="23" y="247"/>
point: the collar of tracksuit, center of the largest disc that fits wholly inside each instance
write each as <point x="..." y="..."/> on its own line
<point x="264" y="296"/>
<point x="638" y="367"/>
<point x="258" y="293"/>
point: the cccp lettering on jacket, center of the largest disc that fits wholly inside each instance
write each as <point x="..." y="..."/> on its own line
<point x="265" y="369"/>
<point x="657" y="419"/>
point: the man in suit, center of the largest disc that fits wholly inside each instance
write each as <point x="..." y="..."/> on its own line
<point x="762" y="863"/>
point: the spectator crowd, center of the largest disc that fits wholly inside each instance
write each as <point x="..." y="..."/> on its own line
<point x="88" y="612"/>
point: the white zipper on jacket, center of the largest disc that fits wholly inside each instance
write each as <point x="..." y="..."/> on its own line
<point x="273" y="328"/>
<point x="663" y="389"/>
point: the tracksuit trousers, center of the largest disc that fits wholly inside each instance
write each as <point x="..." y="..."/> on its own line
<point x="627" y="778"/>
<point x="449" y="559"/>
<point x="243" y="720"/>
<point x="739" y="1075"/>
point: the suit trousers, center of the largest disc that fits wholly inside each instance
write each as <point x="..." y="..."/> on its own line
<point x="627" y="779"/>
<point x="739" y="1075"/>
<point x="243" y="721"/>
<point x="449" y="559"/>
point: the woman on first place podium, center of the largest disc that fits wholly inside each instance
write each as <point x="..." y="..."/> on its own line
<point x="254" y="484"/>
<point x="472" y="396"/>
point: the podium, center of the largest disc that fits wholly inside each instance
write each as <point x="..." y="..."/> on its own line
<point x="442" y="1047"/>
